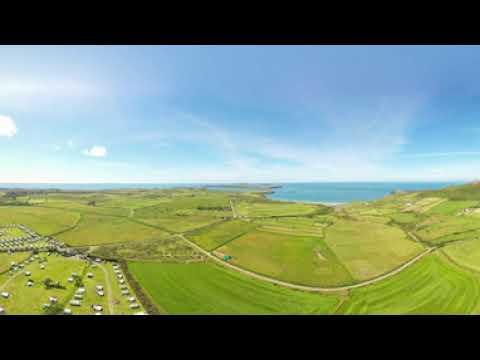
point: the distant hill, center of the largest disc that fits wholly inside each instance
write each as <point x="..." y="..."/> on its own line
<point x="470" y="191"/>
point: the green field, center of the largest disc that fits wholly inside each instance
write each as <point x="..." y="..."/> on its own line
<point x="169" y="249"/>
<point x="209" y="289"/>
<point x="303" y="260"/>
<point x="6" y="259"/>
<point x="465" y="253"/>
<point x="98" y="230"/>
<point x="452" y="207"/>
<point x="267" y="209"/>
<point x="368" y="249"/>
<point x="406" y="218"/>
<point x="214" y="236"/>
<point x="431" y="286"/>
<point x="301" y="243"/>
<point x="179" y="224"/>
<point x="42" y="220"/>
<point x="306" y="226"/>
<point x="439" y="229"/>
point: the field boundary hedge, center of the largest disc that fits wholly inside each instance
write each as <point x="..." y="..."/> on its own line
<point x="147" y="302"/>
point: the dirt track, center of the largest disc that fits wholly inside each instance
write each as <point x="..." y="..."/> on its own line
<point x="233" y="209"/>
<point x="111" y="308"/>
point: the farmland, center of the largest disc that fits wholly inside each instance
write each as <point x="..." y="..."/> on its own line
<point x="214" y="236"/>
<point x="98" y="230"/>
<point x="210" y="289"/>
<point x="43" y="220"/>
<point x="432" y="286"/>
<point x="268" y="209"/>
<point x="368" y="249"/>
<point x="200" y="251"/>
<point x="305" y="260"/>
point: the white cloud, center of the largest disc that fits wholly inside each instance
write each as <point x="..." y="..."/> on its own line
<point x="8" y="127"/>
<point x="96" y="151"/>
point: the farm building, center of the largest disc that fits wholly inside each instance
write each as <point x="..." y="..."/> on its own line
<point x="5" y="294"/>
<point x="2" y="311"/>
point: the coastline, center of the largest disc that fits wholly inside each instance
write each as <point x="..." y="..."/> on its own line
<point x="326" y="203"/>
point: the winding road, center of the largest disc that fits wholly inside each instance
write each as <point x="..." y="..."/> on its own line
<point x="310" y="288"/>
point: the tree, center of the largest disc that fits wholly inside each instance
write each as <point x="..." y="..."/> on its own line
<point x="54" y="309"/>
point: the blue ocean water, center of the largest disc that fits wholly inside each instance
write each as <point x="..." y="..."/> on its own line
<point x="342" y="192"/>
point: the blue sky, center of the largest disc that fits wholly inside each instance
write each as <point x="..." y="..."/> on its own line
<point x="239" y="113"/>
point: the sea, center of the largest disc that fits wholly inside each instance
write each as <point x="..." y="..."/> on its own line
<point x="332" y="193"/>
<point x="320" y="192"/>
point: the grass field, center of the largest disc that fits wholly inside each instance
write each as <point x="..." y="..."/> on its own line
<point x="99" y="230"/>
<point x="42" y="220"/>
<point x="369" y="249"/>
<point x="170" y="249"/>
<point x="431" y="286"/>
<point x="425" y="204"/>
<point x="301" y="243"/>
<point x="176" y="223"/>
<point x="465" y="253"/>
<point x="88" y="209"/>
<point x="303" y="260"/>
<point x="209" y="289"/>
<point x="214" y="236"/>
<point x="304" y="226"/>
<point x="272" y="208"/>
<point x="467" y="192"/>
<point x="406" y="218"/>
<point x="6" y="259"/>
<point x="439" y="229"/>
<point x="451" y="207"/>
<point x="213" y="204"/>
